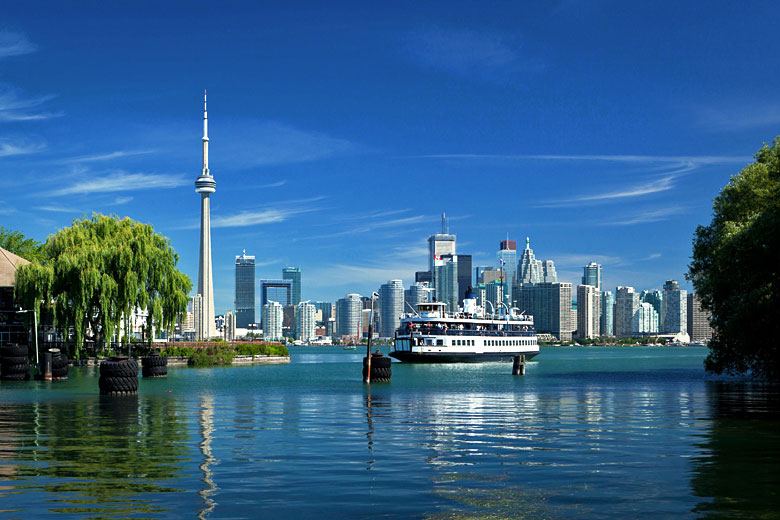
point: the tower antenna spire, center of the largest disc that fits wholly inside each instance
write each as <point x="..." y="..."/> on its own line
<point x="205" y="137"/>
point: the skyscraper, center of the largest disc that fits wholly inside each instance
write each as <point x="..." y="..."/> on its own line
<point x="548" y="271"/>
<point x="550" y="305"/>
<point x="417" y="293"/>
<point x="591" y="275"/>
<point x="507" y="260"/>
<point x="205" y="185"/>
<point x="391" y="307"/>
<point x="440" y="244"/>
<point x="245" y="290"/>
<point x="348" y="316"/>
<point x="445" y="277"/>
<point x="588" y="311"/>
<point x="654" y="298"/>
<point x="607" y="327"/>
<point x="464" y="276"/>
<point x="528" y="270"/>
<point x="699" y="327"/>
<point x="674" y="308"/>
<point x="646" y="319"/>
<point x="293" y="274"/>
<point x="276" y="290"/>
<point x="272" y="321"/>
<point x="626" y="306"/>
<point x="304" y="321"/>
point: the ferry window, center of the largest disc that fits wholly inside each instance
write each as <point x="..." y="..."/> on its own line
<point x="439" y="342"/>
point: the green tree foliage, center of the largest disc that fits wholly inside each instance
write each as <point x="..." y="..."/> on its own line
<point x="734" y="270"/>
<point x="18" y="244"/>
<point x="100" y="269"/>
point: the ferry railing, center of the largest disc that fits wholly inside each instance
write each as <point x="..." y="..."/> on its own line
<point x="467" y="332"/>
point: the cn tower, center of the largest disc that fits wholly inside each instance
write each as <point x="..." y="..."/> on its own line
<point x="205" y="185"/>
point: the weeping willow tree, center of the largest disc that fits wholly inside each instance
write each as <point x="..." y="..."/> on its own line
<point x="98" y="271"/>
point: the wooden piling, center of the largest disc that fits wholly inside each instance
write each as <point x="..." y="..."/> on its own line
<point x="518" y="366"/>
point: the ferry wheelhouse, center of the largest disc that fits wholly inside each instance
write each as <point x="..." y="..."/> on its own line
<point x="433" y="335"/>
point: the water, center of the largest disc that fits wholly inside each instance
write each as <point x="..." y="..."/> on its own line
<point x="586" y="433"/>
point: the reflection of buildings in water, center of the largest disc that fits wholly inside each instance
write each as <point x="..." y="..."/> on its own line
<point x="377" y="406"/>
<point x="736" y="471"/>
<point x="206" y="433"/>
<point x="11" y="443"/>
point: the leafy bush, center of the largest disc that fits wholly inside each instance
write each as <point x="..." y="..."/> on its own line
<point x="212" y="356"/>
<point x="261" y="349"/>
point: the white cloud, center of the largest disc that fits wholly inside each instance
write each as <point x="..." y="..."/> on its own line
<point x="103" y="157"/>
<point x="15" y="44"/>
<point x="740" y="118"/>
<point x="121" y="181"/>
<point x="14" y="106"/>
<point x="58" y="209"/>
<point x="677" y="159"/>
<point x="122" y="200"/>
<point x="8" y="148"/>
<point x="355" y="275"/>
<point x="646" y="217"/>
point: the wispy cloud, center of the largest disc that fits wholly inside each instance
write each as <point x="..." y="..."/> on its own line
<point x="15" y="44"/>
<point x="14" y="106"/>
<point x="122" y="200"/>
<point x="8" y="148"/>
<point x="262" y="216"/>
<point x="461" y="51"/>
<point x="276" y="184"/>
<point x="102" y="157"/>
<point x="355" y="275"/>
<point x="367" y="227"/>
<point x="565" y="260"/>
<point x="58" y="209"/>
<point x="677" y="159"/>
<point x="740" y="118"/>
<point x="264" y="143"/>
<point x="646" y="217"/>
<point x="121" y="181"/>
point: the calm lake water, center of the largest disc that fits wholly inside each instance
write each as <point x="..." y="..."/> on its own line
<point x="586" y="433"/>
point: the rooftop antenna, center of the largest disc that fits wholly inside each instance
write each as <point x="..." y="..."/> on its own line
<point x="443" y="220"/>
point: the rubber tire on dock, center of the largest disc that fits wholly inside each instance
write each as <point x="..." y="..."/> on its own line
<point x="154" y="366"/>
<point x="119" y="367"/>
<point x="14" y="360"/>
<point x="155" y="371"/>
<point x="381" y="371"/>
<point x="14" y="350"/>
<point x="16" y="377"/>
<point x="118" y="376"/>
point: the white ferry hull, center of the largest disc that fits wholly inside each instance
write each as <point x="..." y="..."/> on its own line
<point x="455" y="357"/>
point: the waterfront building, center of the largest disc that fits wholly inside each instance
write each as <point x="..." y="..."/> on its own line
<point x="391" y="307"/>
<point x="607" y="325"/>
<point x="646" y="319"/>
<point x="304" y="321"/>
<point x="272" y="321"/>
<point x="288" y="321"/>
<point x="197" y="317"/>
<point x="13" y="328"/>
<point x="478" y="273"/>
<point x="626" y="306"/>
<point x="548" y="271"/>
<point x="591" y="275"/>
<point x="445" y="277"/>
<point x="529" y="268"/>
<point x="588" y="311"/>
<point x="464" y="276"/>
<point x="674" y="308"/>
<point x="245" y="290"/>
<point x="348" y="316"/>
<point x="330" y="327"/>
<point x="229" y="326"/>
<point x="507" y="261"/>
<point x="492" y="275"/>
<point x="654" y="298"/>
<point x="205" y="186"/>
<point x="276" y="290"/>
<point x="294" y="275"/>
<point x="551" y="306"/>
<point x="699" y="327"/>
<point x="419" y="292"/>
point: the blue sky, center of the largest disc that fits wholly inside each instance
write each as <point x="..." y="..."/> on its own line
<point x="340" y="132"/>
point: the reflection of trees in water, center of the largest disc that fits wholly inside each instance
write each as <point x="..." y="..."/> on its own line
<point x="91" y="453"/>
<point x="737" y="471"/>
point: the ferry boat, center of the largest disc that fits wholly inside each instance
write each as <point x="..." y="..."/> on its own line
<point x="433" y="335"/>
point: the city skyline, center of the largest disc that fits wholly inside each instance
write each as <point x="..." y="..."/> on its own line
<point x="607" y="141"/>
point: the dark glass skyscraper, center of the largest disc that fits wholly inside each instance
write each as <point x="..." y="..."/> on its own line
<point x="293" y="274"/>
<point x="279" y="291"/>
<point x="245" y="290"/>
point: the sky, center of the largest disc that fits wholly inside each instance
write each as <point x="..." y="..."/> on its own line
<point x="340" y="131"/>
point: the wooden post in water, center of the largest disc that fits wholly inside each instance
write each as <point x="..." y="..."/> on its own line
<point x="518" y="366"/>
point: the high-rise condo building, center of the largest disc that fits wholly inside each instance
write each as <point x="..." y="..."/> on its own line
<point x="276" y="290"/>
<point x="304" y="321"/>
<point x="419" y="292"/>
<point x="674" y="308"/>
<point x="626" y="306"/>
<point x="699" y="327"/>
<point x="654" y="298"/>
<point x="294" y="275"/>
<point x="591" y="275"/>
<point x="205" y="186"/>
<point x="272" y="321"/>
<point x="507" y="261"/>
<point x="229" y="327"/>
<point x="197" y="317"/>
<point x="391" y="307"/>
<point x="445" y="276"/>
<point x="645" y="319"/>
<point x="550" y="305"/>
<point x="326" y="311"/>
<point x="607" y="326"/>
<point x="245" y="290"/>
<point x="348" y="316"/>
<point x="529" y="268"/>
<point x="588" y="311"/>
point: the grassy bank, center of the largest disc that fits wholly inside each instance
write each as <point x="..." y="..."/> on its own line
<point x="222" y="353"/>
